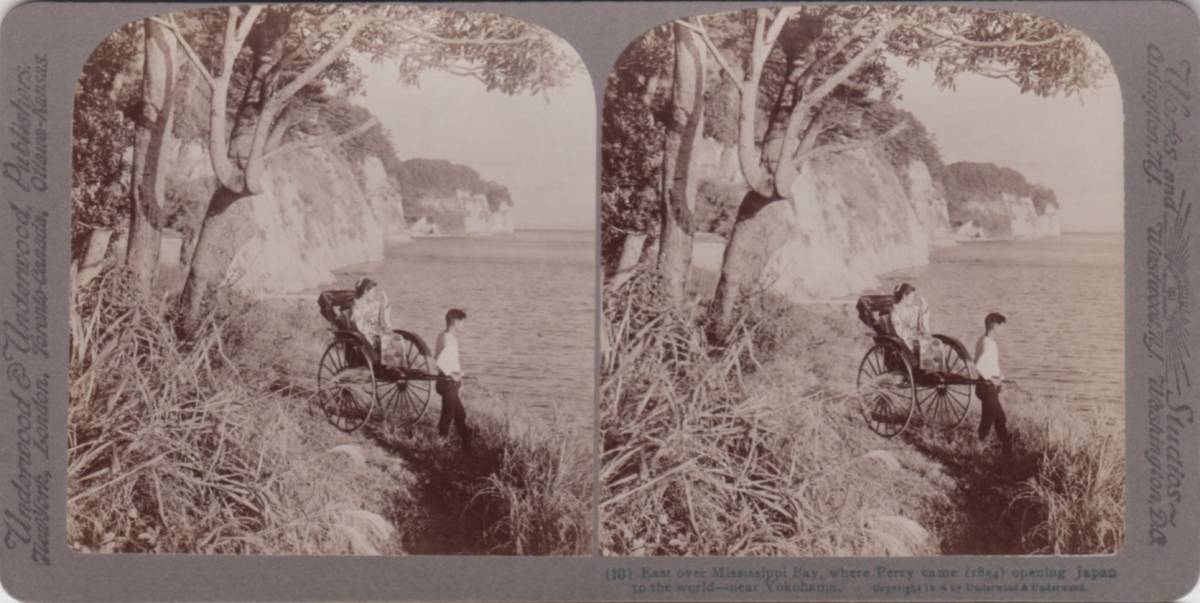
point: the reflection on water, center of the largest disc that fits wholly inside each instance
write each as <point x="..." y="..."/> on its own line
<point x="1065" y="303"/>
<point x="530" y="304"/>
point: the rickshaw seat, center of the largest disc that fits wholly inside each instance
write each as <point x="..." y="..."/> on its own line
<point x="875" y="311"/>
<point x="335" y="307"/>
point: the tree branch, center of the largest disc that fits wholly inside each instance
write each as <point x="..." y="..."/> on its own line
<point x="325" y="140"/>
<point x="815" y="127"/>
<point x="851" y="67"/>
<point x="235" y="37"/>
<point x="735" y="76"/>
<point x="321" y="29"/>
<point x="1015" y="42"/>
<point x="328" y="57"/>
<point x="839" y="48"/>
<point x="476" y="41"/>
<point x="187" y="48"/>
<point x="781" y="19"/>
<point x="791" y="137"/>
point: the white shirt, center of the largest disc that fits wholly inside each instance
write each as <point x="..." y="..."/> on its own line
<point x="987" y="358"/>
<point x="447" y="354"/>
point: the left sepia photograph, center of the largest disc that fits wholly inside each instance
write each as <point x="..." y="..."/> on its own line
<point x="333" y="286"/>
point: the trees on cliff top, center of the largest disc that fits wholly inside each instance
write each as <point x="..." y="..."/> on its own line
<point x="965" y="180"/>
<point x="420" y="177"/>
<point x="266" y="74"/>
<point x="809" y="81"/>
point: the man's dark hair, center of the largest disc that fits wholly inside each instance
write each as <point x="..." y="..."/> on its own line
<point x="993" y="319"/>
<point x="455" y="315"/>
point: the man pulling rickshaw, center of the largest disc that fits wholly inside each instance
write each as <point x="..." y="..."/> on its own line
<point x="912" y="372"/>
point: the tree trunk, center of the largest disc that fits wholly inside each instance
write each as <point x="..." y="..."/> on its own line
<point x="148" y="192"/>
<point x="679" y="166"/>
<point x="633" y="251"/>
<point x="761" y="229"/>
<point x="225" y="229"/>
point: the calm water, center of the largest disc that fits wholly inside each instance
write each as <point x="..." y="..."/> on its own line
<point x="530" y="304"/>
<point x="1065" y="303"/>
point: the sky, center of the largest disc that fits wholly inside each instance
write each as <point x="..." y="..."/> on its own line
<point x="542" y="147"/>
<point x="1071" y="146"/>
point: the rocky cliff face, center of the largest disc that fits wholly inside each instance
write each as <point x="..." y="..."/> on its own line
<point x="856" y="216"/>
<point x="318" y="213"/>
<point x="465" y="213"/>
<point x="1003" y="216"/>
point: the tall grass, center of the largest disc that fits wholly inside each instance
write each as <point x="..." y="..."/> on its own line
<point x="205" y="445"/>
<point x="1074" y="503"/>
<point x="708" y="451"/>
<point x="171" y="450"/>
<point x="539" y="496"/>
<point x="757" y="447"/>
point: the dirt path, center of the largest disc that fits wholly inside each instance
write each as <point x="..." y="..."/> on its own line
<point x="448" y="518"/>
<point x="983" y="519"/>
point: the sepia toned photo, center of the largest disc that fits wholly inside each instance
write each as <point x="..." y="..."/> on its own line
<point x="864" y="287"/>
<point x="333" y="285"/>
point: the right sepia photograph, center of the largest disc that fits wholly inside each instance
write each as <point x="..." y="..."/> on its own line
<point x="864" y="287"/>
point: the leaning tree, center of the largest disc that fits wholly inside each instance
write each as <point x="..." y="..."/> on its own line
<point x="154" y="116"/>
<point x="810" y="81"/>
<point x="259" y="64"/>
<point x="818" y="66"/>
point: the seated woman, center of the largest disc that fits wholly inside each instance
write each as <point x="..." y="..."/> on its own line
<point x="371" y="313"/>
<point x="910" y="319"/>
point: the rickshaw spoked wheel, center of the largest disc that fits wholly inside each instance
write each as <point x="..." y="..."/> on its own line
<point x="347" y="390"/>
<point x="404" y="396"/>
<point x="944" y="399"/>
<point x="886" y="390"/>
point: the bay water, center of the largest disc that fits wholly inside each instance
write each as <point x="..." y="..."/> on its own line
<point x="530" y="300"/>
<point x="1064" y="298"/>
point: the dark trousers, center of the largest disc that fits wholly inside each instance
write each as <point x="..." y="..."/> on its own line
<point x="993" y="414"/>
<point x="452" y="410"/>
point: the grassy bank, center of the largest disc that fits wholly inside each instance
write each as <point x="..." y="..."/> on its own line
<point x="757" y="447"/>
<point x="208" y="446"/>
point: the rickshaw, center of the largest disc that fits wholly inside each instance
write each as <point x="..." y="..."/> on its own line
<point x="892" y="386"/>
<point x="353" y="380"/>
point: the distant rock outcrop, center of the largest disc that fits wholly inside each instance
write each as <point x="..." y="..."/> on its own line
<point x="464" y="213"/>
<point x="1005" y="216"/>
<point x="989" y="202"/>
<point x="446" y="198"/>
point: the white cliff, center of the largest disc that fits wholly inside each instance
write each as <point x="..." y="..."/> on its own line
<point x="318" y="213"/>
<point x="855" y="217"/>
<point x="1004" y="217"/>
<point x="465" y="213"/>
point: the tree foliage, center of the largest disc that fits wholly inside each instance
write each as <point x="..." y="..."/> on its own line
<point x="106" y="98"/>
<point x="421" y="178"/>
<point x="636" y="104"/>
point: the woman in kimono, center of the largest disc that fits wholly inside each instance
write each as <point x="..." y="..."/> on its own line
<point x="371" y="313"/>
<point x="910" y="320"/>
